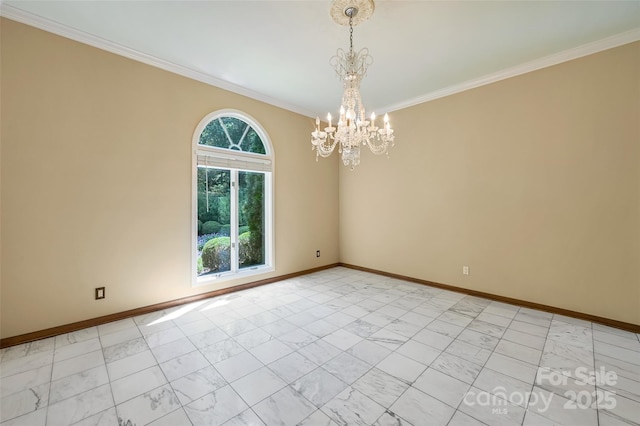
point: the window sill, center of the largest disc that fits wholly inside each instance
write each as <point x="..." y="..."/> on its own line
<point x="231" y="276"/>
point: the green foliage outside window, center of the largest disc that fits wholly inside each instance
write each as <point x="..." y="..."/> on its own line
<point x="216" y="254"/>
<point x="253" y="211"/>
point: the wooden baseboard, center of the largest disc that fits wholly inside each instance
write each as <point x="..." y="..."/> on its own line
<point x="67" y="328"/>
<point x="634" y="328"/>
<point x="55" y="331"/>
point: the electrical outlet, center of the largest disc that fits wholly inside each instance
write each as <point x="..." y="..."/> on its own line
<point x="100" y="294"/>
<point x="317" y="253"/>
<point x="465" y="270"/>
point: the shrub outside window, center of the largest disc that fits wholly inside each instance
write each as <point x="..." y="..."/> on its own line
<point x="232" y="198"/>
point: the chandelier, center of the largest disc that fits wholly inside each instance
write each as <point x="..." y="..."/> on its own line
<point x="353" y="128"/>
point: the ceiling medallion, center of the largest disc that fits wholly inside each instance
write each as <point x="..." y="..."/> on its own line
<point x="353" y="129"/>
<point x="364" y="10"/>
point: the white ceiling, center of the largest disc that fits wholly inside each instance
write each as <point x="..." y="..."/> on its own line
<point x="278" y="51"/>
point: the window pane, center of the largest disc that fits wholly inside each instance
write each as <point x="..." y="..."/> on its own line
<point x="214" y="211"/>
<point x="236" y="130"/>
<point x="214" y="135"/>
<point x="251" y="220"/>
<point x="253" y="143"/>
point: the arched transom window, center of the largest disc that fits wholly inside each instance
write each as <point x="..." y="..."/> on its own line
<point x="232" y="133"/>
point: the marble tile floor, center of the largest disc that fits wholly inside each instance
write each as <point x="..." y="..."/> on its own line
<point x="337" y="347"/>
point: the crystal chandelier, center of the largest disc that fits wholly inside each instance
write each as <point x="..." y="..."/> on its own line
<point x="353" y="129"/>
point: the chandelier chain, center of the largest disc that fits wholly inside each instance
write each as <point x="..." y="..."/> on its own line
<point x="350" y="32"/>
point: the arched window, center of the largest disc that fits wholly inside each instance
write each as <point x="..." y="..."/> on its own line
<point x="232" y="198"/>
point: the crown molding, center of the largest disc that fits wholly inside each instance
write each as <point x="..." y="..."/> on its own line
<point x="18" y="15"/>
<point x="544" y="62"/>
<point x="57" y="28"/>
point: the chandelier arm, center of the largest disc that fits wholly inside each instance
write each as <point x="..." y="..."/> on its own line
<point x="378" y="148"/>
<point x="325" y="149"/>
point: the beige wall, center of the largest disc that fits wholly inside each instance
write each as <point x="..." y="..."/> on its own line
<point x="96" y="182"/>
<point x="533" y="182"/>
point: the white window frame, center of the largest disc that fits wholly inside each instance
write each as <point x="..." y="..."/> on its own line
<point x="234" y="161"/>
